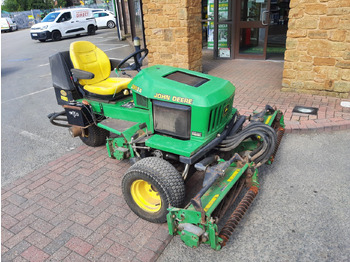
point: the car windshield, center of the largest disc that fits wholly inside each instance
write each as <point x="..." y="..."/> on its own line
<point x="50" y="17"/>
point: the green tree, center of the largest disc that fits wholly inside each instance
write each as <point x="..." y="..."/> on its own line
<point x="10" y="6"/>
<point x="42" y="4"/>
<point x="16" y="5"/>
<point x="25" y="5"/>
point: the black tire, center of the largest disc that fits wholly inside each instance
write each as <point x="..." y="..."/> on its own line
<point x="94" y="136"/>
<point x="110" y="24"/>
<point x="42" y="40"/>
<point x="91" y="30"/>
<point x="163" y="180"/>
<point x="56" y="35"/>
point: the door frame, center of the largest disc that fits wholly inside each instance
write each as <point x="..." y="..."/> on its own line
<point x="230" y="24"/>
<point x="263" y="23"/>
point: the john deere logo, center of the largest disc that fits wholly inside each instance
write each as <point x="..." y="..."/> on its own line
<point x="64" y="93"/>
<point x="226" y="109"/>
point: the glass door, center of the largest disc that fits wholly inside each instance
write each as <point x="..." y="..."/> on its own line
<point x="219" y="28"/>
<point x="252" y="28"/>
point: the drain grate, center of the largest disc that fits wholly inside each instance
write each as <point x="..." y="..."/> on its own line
<point x="305" y="110"/>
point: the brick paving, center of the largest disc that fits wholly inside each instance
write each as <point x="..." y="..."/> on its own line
<point x="72" y="209"/>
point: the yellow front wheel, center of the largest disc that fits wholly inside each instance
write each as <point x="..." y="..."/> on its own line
<point x="146" y="196"/>
<point x="150" y="186"/>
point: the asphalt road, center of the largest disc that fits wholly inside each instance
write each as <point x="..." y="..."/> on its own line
<point x="28" y="140"/>
<point x="301" y="212"/>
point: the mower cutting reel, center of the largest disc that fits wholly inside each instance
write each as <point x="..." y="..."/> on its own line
<point x="168" y="121"/>
<point x="223" y="183"/>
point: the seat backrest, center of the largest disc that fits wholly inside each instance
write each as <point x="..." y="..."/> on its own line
<point x="88" y="57"/>
<point x="60" y="66"/>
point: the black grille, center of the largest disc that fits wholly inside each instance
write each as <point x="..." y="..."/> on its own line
<point x="216" y="117"/>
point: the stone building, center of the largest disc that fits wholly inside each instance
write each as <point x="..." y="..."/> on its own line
<point x="317" y="59"/>
<point x="312" y="36"/>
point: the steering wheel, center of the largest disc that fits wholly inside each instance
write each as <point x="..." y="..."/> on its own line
<point x="137" y="58"/>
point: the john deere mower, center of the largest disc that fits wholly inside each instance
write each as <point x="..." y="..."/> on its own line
<point x="171" y="123"/>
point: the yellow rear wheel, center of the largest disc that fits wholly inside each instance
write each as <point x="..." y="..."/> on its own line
<point x="146" y="196"/>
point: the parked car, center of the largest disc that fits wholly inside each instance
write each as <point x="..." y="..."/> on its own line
<point x="102" y="10"/>
<point x="62" y="23"/>
<point x="7" y="25"/>
<point x="105" y="19"/>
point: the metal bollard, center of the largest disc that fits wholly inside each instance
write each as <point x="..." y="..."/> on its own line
<point x="137" y="45"/>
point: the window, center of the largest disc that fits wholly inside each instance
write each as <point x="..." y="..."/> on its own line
<point x="64" y="17"/>
<point x="50" y="17"/>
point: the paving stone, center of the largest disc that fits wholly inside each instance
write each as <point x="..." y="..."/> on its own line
<point x="99" y="249"/>
<point x="60" y="254"/>
<point x="15" y="251"/>
<point x="99" y="220"/>
<point x="116" y="250"/>
<point x="5" y="235"/>
<point x="16" y="199"/>
<point x="80" y="218"/>
<point x="59" y="229"/>
<point x="19" y="237"/>
<point x="12" y="210"/>
<point x="74" y="257"/>
<point x="107" y="258"/>
<point x="22" y="224"/>
<point x="57" y="243"/>
<point x="146" y="255"/>
<point x="8" y="221"/>
<point x="39" y="240"/>
<point x="41" y="226"/>
<point x="34" y="254"/>
<point x="44" y="214"/>
<point x="79" y="246"/>
<point x="79" y="231"/>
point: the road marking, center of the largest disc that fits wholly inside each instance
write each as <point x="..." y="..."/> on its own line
<point x="33" y="93"/>
<point x="116" y="48"/>
<point x="37" y="138"/>
<point x="45" y="75"/>
<point x="43" y="64"/>
<point x="111" y="44"/>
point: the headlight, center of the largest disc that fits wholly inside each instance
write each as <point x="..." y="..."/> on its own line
<point x="44" y="27"/>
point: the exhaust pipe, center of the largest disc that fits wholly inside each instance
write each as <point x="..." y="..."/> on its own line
<point x="75" y="131"/>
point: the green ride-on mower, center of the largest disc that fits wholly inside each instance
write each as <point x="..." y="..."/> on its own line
<point x="171" y="123"/>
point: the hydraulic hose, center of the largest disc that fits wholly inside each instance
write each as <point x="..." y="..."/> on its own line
<point x="254" y="130"/>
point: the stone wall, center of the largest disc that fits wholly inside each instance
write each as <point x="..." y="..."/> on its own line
<point x="173" y="32"/>
<point x="317" y="59"/>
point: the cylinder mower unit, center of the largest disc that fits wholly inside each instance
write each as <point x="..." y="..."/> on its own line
<point x="171" y="123"/>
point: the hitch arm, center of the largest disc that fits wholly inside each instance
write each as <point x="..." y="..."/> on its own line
<point x="211" y="174"/>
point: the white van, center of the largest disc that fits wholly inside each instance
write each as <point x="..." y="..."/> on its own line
<point x="62" y="23"/>
<point x="7" y="25"/>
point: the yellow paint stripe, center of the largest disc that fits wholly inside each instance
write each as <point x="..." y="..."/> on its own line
<point x="234" y="174"/>
<point x="211" y="202"/>
<point x="268" y="120"/>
